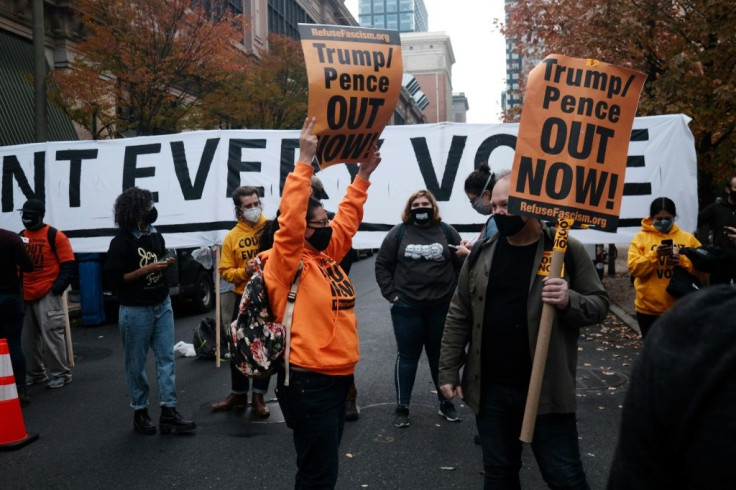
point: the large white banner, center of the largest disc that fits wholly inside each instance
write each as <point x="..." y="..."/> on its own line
<point x="193" y="174"/>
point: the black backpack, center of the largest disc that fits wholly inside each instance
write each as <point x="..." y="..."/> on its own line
<point x="205" y="339"/>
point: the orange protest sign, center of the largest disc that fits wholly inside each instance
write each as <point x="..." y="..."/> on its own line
<point x="355" y="78"/>
<point x="571" y="151"/>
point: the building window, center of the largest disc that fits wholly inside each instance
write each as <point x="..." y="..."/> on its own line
<point x="392" y="22"/>
<point x="378" y="7"/>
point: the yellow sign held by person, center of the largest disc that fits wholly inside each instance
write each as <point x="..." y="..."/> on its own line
<point x="355" y="78"/>
<point x="573" y="141"/>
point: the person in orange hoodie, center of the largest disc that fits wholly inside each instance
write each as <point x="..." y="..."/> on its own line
<point x="652" y="260"/>
<point x="324" y="336"/>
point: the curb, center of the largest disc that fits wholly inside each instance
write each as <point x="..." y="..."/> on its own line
<point x="625" y="317"/>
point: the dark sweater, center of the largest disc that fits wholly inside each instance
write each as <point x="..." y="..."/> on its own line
<point x="421" y="269"/>
<point x="130" y="250"/>
<point x="678" y="423"/>
<point x="12" y="255"/>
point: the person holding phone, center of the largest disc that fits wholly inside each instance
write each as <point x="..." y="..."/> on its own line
<point x="653" y="256"/>
<point x="717" y="224"/>
<point x="145" y="320"/>
<point x="417" y="269"/>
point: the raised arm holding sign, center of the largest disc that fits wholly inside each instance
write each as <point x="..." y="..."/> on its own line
<point x="354" y="84"/>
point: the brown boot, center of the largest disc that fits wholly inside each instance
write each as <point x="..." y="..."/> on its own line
<point x="258" y="406"/>
<point x="231" y="401"/>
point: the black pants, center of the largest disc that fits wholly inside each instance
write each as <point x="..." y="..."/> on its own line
<point x="12" y="310"/>
<point x="645" y="322"/>
<point x="313" y="406"/>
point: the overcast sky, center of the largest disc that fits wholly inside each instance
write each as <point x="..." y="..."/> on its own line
<point x="479" y="68"/>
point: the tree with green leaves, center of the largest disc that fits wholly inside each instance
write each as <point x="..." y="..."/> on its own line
<point x="687" y="49"/>
<point x="150" y="66"/>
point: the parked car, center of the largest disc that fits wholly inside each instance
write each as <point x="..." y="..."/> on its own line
<point x="189" y="280"/>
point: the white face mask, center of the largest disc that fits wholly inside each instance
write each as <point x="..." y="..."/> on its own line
<point x="251" y="215"/>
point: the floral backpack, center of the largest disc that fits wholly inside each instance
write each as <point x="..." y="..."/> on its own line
<point x="255" y="341"/>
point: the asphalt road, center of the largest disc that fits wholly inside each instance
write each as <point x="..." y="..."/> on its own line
<point x="86" y="438"/>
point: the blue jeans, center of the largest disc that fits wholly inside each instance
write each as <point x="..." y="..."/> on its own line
<point x="416" y="327"/>
<point x="314" y="409"/>
<point x="555" y="442"/>
<point x="12" y="309"/>
<point x="142" y="327"/>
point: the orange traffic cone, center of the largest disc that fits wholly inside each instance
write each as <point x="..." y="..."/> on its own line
<point x="13" y="433"/>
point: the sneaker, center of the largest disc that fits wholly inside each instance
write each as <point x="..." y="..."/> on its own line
<point x="447" y="410"/>
<point x="401" y="416"/>
<point x="33" y="380"/>
<point x="58" y="382"/>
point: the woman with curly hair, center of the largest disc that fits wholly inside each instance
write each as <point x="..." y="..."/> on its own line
<point x="136" y="261"/>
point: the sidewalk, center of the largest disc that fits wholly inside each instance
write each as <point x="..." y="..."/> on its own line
<point x="621" y="291"/>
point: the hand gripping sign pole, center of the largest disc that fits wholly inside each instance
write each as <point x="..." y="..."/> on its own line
<point x="545" y="330"/>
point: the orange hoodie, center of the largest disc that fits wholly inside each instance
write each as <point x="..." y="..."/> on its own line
<point x="324" y="328"/>
<point x="651" y="273"/>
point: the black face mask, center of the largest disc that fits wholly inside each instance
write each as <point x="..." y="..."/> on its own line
<point x="508" y="225"/>
<point x="733" y="195"/>
<point x="150" y="217"/>
<point x="31" y="220"/>
<point x="422" y="216"/>
<point x="320" y="238"/>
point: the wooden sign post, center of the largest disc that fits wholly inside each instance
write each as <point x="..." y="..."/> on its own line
<point x="545" y="331"/>
<point x="218" y="307"/>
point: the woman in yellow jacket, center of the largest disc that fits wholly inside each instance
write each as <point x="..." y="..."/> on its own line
<point x="324" y="334"/>
<point x="653" y="256"/>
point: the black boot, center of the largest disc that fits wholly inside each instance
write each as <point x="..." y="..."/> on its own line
<point x="142" y="423"/>
<point x="172" y="421"/>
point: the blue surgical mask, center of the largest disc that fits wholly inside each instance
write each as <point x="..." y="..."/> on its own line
<point x="663" y="226"/>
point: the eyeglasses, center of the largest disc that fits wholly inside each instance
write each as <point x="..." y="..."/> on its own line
<point x="323" y="223"/>
<point x="250" y="206"/>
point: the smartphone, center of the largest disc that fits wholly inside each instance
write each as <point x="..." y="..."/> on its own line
<point x="168" y="254"/>
<point x="668" y="242"/>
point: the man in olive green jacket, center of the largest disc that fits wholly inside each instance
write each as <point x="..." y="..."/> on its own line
<point x="497" y="308"/>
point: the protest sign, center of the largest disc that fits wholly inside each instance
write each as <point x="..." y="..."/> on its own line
<point x="570" y="165"/>
<point x="193" y="175"/>
<point x="355" y="78"/>
<point x="571" y="151"/>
